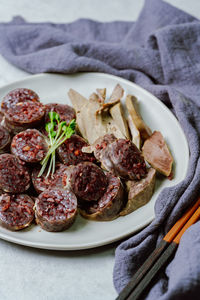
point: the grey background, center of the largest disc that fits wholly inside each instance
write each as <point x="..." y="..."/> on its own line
<point x="26" y="273"/>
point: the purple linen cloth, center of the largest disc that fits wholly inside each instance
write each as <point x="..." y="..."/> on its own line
<point x="161" y="52"/>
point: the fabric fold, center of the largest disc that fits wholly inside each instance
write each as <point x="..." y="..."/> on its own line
<point x="160" y="52"/>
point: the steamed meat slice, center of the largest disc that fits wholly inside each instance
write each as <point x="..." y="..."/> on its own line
<point x="79" y="102"/>
<point x="157" y="154"/>
<point x="117" y="114"/>
<point x="131" y="104"/>
<point x="135" y="134"/>
<point x="117" y="94"/>
<point x="102" y="94"/>
<point x="89" y="117"/>
<point x="92" y="120"/>
<point x="139" y="192"/>
<point x="109" y="125"/>
<point x="115" y="98"/>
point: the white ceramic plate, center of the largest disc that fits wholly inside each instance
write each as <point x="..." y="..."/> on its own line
<point x="84" y="233"/>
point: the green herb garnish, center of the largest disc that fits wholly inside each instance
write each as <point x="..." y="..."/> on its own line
<point x="58" y="133"/>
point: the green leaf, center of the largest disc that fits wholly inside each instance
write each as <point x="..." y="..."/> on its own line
<point x="53" y="133"/>
<point x="57" y="135"/>
<point x="52" y="115"/>
<point x="72" y="124"/>
<point x="63" y="123"/>
<point x="57" y="117"/>
<point x="48" y="127"/>
<point x="64" y="128"/>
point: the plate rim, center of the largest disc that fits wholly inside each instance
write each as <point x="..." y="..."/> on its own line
<point x="108" y="240"/>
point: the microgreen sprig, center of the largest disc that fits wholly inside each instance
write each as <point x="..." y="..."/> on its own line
<point x="58" y="133"/>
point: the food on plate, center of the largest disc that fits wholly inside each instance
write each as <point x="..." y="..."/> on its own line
<point x="56" y="209"/>
<point x="135" y="117"/>
<point x="66" y="112"/>
<point x="29" y="145"/>
<point x="43" y="182"/>
<point x="83" y="159"/>
<point x="58" y="133"/>
<point x="120" y="156"/>
<point x="157" y="154"/>
<point x="78" y="102"/>
<point x="139" y="192"/>
<point x="117" y="114"/>
<point x="93" y="117"/>
<point x="135" y="134"/>
<point x="87" y="181"/>
<point x="126" y="159"/>
<point x="4" y="139"/>
<point x="14" y="174"/>
<point x="108" y="207"/>
<point x="24" y="115"/>
<point x="17" y="96"/>
<point x="70" y="152"/>
<point x="115" y="98"/>
<point x="102" y="94"/>
<point x="16" y="211"/>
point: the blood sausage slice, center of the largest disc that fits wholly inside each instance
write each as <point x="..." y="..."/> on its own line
<point x="109" y="205"/>
<point x="16" y="211"/>
<point x="14" y="175"/>
<point x="29" y="145"/>
<point x="56" y="210"/>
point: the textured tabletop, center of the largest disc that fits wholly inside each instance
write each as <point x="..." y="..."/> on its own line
<point x="28" y="273"/>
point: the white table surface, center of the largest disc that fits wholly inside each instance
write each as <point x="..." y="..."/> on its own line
<point x="30" y="274"/>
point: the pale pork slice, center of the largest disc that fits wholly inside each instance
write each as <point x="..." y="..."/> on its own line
<point x="135" y="134"/>
<point x="117" y="94"/>
<point x="131" y="104"/>
<point x="157" y="154"/>
<point x="102" y="94"/>
<point x="89" y="117"/>
<point x="139" y="192"/>
<point x="77" y="100"/>
<point x="106" y="125"/>
<point x="79" y="103"/>
<point x="117" y="114"/>
<point x="115" y="98"/>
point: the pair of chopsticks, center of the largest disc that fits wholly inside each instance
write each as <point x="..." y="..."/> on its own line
<point x="159" y="257"/>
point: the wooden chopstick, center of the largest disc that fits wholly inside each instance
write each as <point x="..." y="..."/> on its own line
<point x="162" y="260"/>
<point x="169" y="237"/>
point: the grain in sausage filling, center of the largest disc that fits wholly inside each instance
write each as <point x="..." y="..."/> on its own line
<point x="14" y="175"/>
<point x="56" y="210"/>
<point x="29" y="145"/>
<point x="16" y="211"/>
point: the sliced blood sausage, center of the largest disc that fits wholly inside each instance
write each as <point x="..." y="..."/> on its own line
<point x="16" y="211"/>
<point x="24" y="115"/>
<point x="55" y="210"/>
<point x="42" y="183"/>
<point x="4" y="139"/>
<point x="109" y="205"/>
<point x="88" y="181"/>
<point x="101" y="144"/>
<point x="29" y="145"/>
<point x="16" y="96"/>
<point x="120" y="156"/>
<point x="1" y="117"/>
<point x="66" y="112"/>
<point x="70" y="152"/>
<point x="14" y="175"/>
<point x="127" y="160"/>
